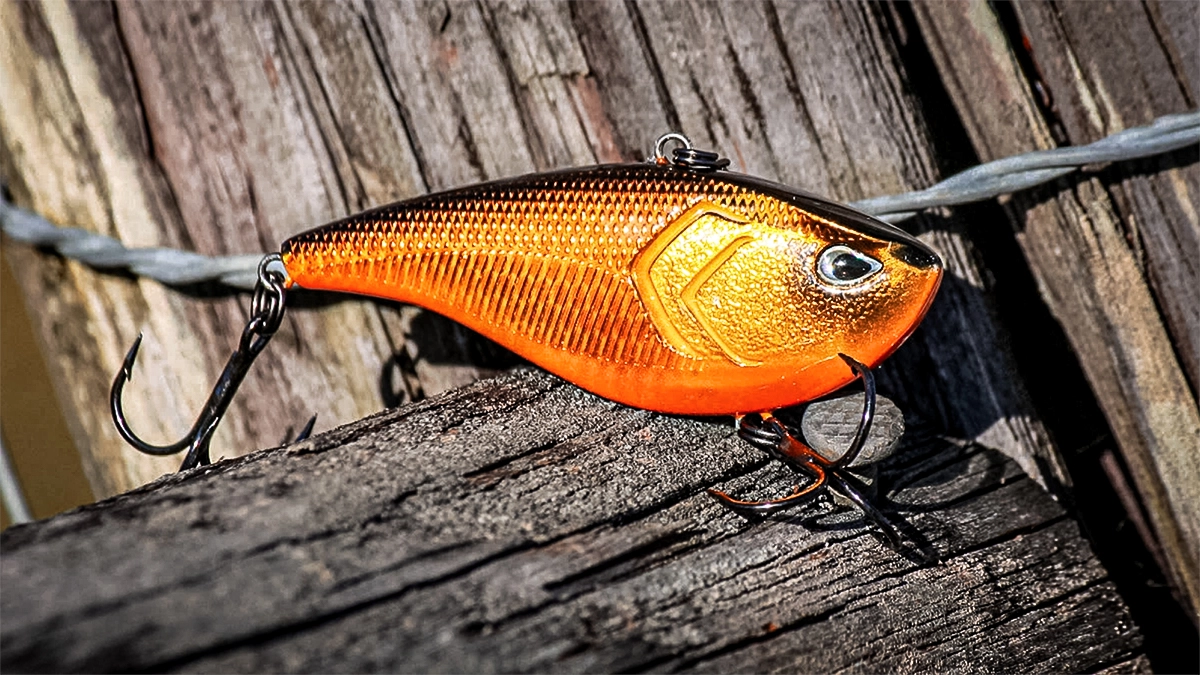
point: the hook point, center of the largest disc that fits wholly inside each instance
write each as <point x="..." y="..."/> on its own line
<point x="131" y="357"/>
<point x="307" y="430"/>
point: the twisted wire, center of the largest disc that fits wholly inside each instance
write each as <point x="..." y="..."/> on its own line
<point x="1021" y="172"/>
<point x="174" y="267"/>
<point x="169" y="266"/>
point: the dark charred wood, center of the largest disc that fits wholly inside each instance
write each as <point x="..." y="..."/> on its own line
<point x="521" y="524"/>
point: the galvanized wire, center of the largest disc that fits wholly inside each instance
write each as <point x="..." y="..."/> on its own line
<point x="169" y="266"/>
<point x="1027" y="170"/>
<point x="1011" y="174"/>
<point x="10" y="489"/>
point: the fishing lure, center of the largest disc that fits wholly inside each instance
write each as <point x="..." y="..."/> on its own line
<point x="672" y="285"/>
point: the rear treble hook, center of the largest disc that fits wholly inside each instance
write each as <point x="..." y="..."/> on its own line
<point x="266" y="314"/>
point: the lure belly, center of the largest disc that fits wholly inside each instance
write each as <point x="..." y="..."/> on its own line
<point x="653" y="285"/>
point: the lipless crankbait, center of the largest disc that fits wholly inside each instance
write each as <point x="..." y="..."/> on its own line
<point x="671" y="285"/>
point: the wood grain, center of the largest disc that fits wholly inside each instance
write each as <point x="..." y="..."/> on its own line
<point x="226" y="128"/>
<point x="524" y="512"/>
<point x="521" y="524"/>
<point x="1115" y="253"/>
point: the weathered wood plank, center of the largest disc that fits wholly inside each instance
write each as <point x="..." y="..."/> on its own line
<point x="229" y="128"/>
<point x="1097" y="92"/>
<point x="60" y="154"/>
<point x="124" y="161"/>
<point x="1115" y="254"/>
<point x="521" y="524"/>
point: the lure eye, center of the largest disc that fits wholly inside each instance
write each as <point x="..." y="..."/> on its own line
<point x="843" y="266"/>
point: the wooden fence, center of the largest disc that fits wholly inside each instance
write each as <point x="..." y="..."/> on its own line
<point x="1069" y="323"/>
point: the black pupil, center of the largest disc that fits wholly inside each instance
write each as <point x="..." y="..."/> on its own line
<point x="848" y="267"/>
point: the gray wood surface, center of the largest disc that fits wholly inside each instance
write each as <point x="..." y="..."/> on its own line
<point x="1116" y="253"/>
<point x="521" y="524"/>
<point x="225" y="128"/>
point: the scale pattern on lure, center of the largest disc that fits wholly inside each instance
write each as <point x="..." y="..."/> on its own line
<point x="671" y="286"/>
<point x="650" y="284"/>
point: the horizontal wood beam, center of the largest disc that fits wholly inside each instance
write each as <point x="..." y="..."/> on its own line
<point x="521" y="524"/>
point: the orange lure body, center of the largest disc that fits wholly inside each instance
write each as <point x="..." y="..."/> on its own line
<point x="649" y="284"/>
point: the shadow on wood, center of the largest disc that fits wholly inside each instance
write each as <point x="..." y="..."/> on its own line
<point x="521" y="524"/>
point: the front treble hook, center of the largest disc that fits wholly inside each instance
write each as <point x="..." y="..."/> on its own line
<point x="266" y="314"/>
<point x="771" y="435"/>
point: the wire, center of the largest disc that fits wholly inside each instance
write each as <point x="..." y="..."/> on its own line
<point x="166" y="265"/>
<point x="1011" y="174"/>
<point x="1021" y="172"/>
<point x="10" y="490"/>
